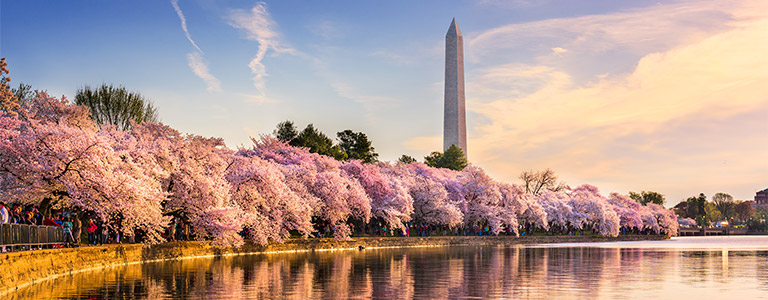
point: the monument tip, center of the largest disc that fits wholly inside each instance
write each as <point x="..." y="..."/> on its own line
<point x="453" y="30"/>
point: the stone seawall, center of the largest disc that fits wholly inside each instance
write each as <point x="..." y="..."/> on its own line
<point x="19" y="269"/>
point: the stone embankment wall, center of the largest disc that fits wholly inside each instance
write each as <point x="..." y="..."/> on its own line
<point x="19" y="269"/>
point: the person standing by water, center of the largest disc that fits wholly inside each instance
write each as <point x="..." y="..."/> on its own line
<point x="104" y="233"/>
<point x="5" y="218"/>
<point x="68" y="240"/>
<point x="77" y="229"/>
<point x="91" y="232"/>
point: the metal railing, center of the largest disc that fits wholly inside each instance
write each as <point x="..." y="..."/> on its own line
<point x="21" y="236"/>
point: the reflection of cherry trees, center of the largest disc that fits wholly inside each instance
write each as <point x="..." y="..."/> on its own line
<point x="488" y="272"/>
<point x="54" y="156"/>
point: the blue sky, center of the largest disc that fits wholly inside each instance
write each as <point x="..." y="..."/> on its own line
<point x="667" y="96"/>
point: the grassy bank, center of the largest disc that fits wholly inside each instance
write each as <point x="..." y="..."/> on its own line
<point x="29" y="267"/>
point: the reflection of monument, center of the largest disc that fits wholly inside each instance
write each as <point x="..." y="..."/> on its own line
<point x="454" y="120"/>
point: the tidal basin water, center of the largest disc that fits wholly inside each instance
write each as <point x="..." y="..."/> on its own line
<point x="681" y="268"/>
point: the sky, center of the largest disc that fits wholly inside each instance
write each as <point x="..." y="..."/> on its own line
<point x="666" y="96"/>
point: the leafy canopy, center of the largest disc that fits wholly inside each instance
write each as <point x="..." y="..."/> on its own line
<point x="317" y="142"/>
<point x="406" y="159"/>
<point x="116" y="106"/>
<point x="356" y="145"/>
<point x="646" y="197"/>
<point x="352" y="145"/>
<point x="453" y="159"/>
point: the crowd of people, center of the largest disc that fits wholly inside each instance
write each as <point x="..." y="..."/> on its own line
<point x="76" y="231"/>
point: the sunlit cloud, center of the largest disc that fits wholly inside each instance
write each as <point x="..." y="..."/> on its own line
<point x="258" y="26"/>
<point x="559" y="50"/>
<point x="195" y="60"/>
<point x="628" y="128"/>
<point x="613" y="43"/>
<point x="200" y="68"/>
<point x="258" y="99"/>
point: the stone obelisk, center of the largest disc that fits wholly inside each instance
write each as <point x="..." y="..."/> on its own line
<point x="454" y="120"/>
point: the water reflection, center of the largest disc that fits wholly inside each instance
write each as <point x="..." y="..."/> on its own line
<point x="432" y="273"/>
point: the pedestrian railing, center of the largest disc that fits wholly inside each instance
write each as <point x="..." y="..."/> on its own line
<point x="22" y="236"/>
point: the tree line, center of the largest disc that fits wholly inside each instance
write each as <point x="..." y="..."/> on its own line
<point x="722" y="208"/>
<point x="56" y="154"/>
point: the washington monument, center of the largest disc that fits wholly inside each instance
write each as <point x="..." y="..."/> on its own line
<point x="454" y="120"/>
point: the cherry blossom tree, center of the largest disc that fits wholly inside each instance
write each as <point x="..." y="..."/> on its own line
<point x="53" y="157"/>
<point x="191" y="169"/>
<point x="270" y="208"/>
<point x="529" y="211"/>
<point x="390" y="200"/>
<point x="593" y="209"/>
<point x="665" y="218"/>
<point x="431" y="204"/>
<point x="484" y="202"/>
<point x="341" y="197"/>
<point x="558" y="211"/>
<point x="628" y="211"/>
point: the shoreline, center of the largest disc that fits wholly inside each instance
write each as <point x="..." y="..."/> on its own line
<point x="25" y="268"/>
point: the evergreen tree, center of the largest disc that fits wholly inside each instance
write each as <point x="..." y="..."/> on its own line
<point x="318" y="142"/>
<point x="433" y="159"/>
<point x="357" y="146"/>
<point x="286" y="131"/>
<point x="453" y="159"/>
<point x="406" y="159"/>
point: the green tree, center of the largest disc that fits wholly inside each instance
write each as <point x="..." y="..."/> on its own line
<point x="317" y="142"/>
<point x="744" y="210"/>
<point x="695" y="208"/>
<point x="23" y="93"/>
<point x="406" y="159"/>
<point x="453" y="159"/>
<point x="646" y="197"/>
<point x="713" y="214"/>
<point x="116" y="106"/>
<point x="286" y="131"/>
<point x="357" y="146"/>
<point x="724" y="203"/>
<point x="433" y="159"/>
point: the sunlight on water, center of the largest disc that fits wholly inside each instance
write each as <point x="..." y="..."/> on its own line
<point x="681" y="268"/>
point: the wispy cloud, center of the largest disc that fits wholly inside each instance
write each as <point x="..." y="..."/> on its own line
<point x="258" y="26"/>
<point x="599" y="44"/>
<point x="176" y="7"/>
<point x="258" y="99"/>
<point x="195" y="60"/>
<point x="200" y="68"/>
<point x="683" y="74"/>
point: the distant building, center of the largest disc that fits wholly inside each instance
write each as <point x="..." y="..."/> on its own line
<point x="761" y="198"/>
